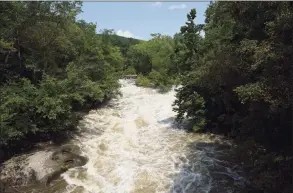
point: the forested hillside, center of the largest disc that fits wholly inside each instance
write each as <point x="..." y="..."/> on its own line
<point x="52" y="65"/>
<point x="122" y="42"/>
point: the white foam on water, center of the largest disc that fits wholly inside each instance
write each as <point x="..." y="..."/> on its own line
<point x="133" y="147"/>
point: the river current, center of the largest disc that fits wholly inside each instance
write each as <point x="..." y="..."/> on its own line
<point x="134" y="146"/>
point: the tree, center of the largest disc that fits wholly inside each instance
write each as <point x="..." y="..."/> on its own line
<point x="51" y="65"/>
<point x="239" y="79"/>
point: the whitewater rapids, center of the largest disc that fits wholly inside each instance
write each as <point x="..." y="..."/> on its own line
<point x="134" y="146"/>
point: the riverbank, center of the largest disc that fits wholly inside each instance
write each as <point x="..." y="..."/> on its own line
<point x="33" y="141"/>
<point x="40" y="167"/>
<point x="135" y="134"/>
<point x="22" y="160"/>
<point x="133" y="145"/>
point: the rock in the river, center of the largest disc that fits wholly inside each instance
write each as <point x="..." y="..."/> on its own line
<point x="2" y="187"/>
<point x="16" y="173"/>
<point x="41" y="166"/>
<point x="64" y="158"/>
<point x="47" y="179"/>
<point x="69" y="156"/>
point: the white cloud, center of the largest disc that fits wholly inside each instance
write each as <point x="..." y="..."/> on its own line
<point x="174" y="7"/>
<point x="157" y="4"/>
<point x="126" y="34"/>
<point x="202" y="33"/>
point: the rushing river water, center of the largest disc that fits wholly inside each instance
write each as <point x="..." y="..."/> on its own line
<point x="134" y="146"/>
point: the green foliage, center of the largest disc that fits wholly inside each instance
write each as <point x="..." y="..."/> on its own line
<point x="17" y="110"/>
<point x="129" y="71"/>
<point x="160" y="80"/>
<point x="190" y="106"/>
<point x="251" y="92"/>
<point x="154" y="79"/>
<point x="237" y="80"/>
<point x="122" y="42"/>
<point x="153" y="59"/>
<point x="143" y="81"/>
<point x="241" y="68"/>
<point x="50" y="66"/>
<point x="6" y="45"/>
<point x="51" y="101"/>
<point x="187" y="44"/>
<point x="139" y="59"/>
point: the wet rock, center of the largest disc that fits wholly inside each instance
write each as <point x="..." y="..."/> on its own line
<point x="65" y="157"/>
<point x="15" y="173"/>
<point x="65" y="149"/>
<point x="68" y="155"/>
<point x="212" y="136"/>
<point x="42" y="166"/>
<point x="32" y="176"/>
<point x="2" y="187"/>
<point x="47" y="179"/>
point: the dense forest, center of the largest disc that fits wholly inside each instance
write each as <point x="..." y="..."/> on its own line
<point x="51" y="66"/>
<point x="235" y="81"/>
<point x="239" y="82"/>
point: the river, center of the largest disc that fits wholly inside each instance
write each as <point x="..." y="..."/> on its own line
<point x="134" y="146"/>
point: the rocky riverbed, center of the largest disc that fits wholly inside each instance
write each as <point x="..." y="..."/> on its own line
<point x="42" y="166"/>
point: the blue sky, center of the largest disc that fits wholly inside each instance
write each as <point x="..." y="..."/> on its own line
<point x="140" y="19"/>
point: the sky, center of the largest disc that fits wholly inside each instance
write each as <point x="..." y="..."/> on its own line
<point x="140" y="19"/>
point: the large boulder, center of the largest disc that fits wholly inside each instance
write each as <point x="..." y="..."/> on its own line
<point x="41" y="166"/>
<point x="16" y="173"/>
<point x="64" y="158"/>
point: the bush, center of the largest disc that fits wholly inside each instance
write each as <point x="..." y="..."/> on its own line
<point x="80" y="87"/>
<point x="129" y="71"/>
<point x="53" y="105"/>
<point x="143" y="81"/>
<point x="161" y="81"/>
<point x="27" y="109"/>
<point x="17" y="110"/>
<point x="190" y="106"/>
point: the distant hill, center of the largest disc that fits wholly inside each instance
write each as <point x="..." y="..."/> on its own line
<point x="123" y="42"/>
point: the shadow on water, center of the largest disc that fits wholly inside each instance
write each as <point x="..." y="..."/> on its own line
<point x="210" y="168"/>
<point x="169" y="120"/>
<point x="172" y="123"/>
